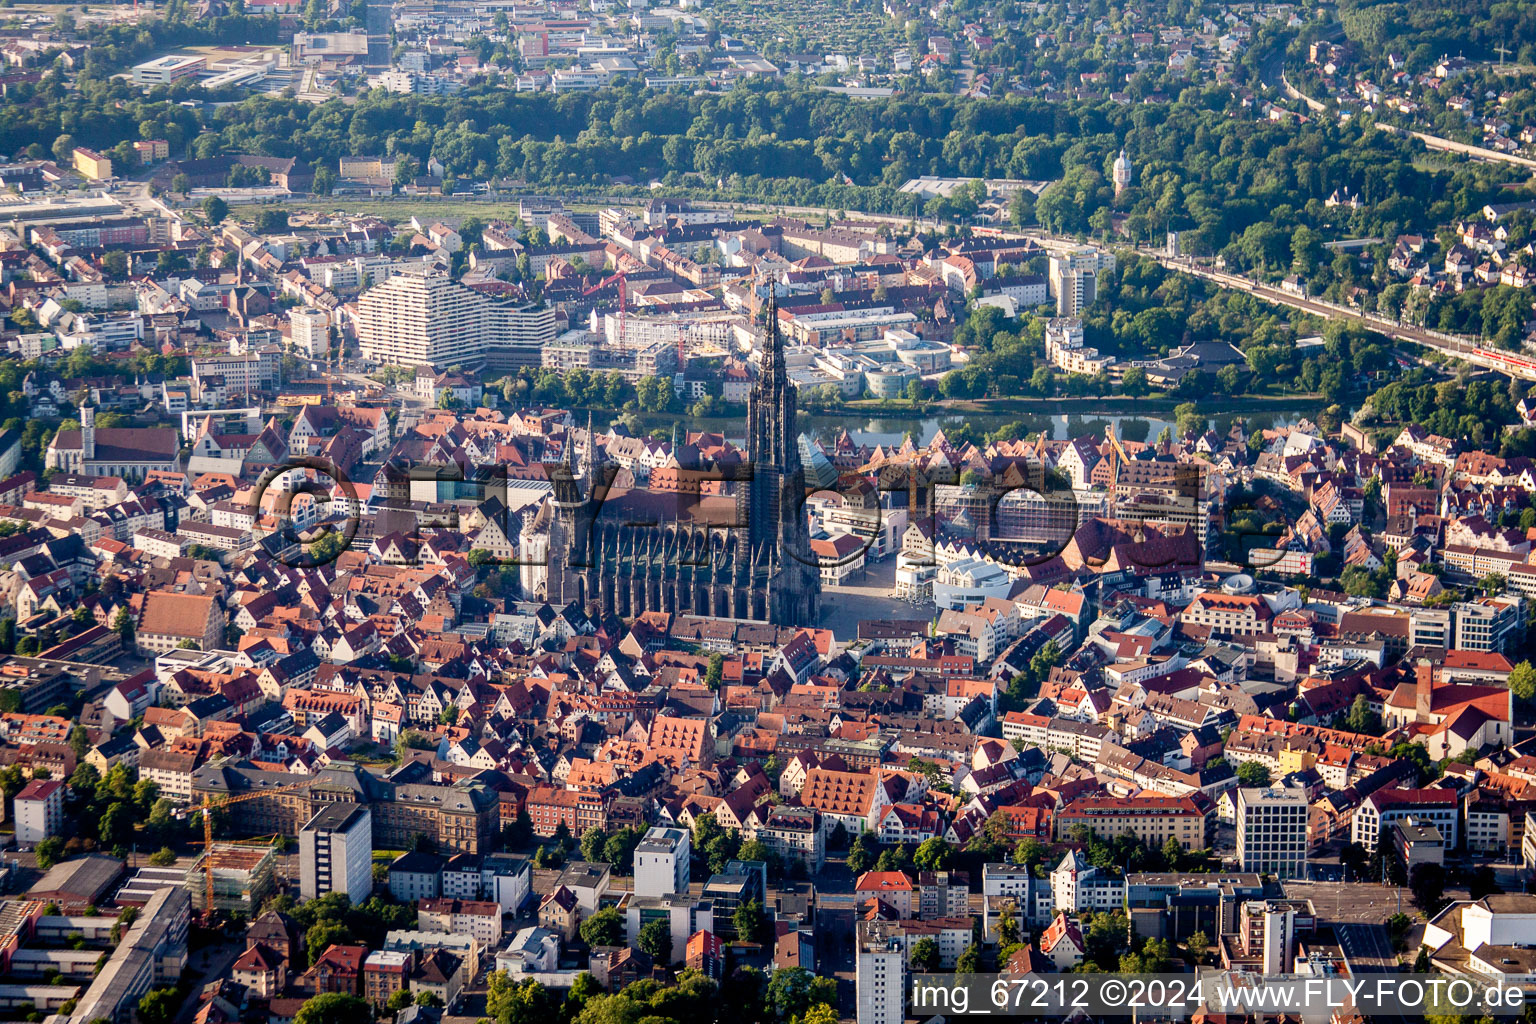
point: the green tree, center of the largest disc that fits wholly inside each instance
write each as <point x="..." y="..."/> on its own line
<point x="1522" y="681"/>
<point x="751" y="923"/>
<point x="1251" y="773"/>
<point x="933" y="854"/>
<point x="122" y="625"/>
<point x="215" y="209"/>
<point x="1361" y="718"/>
<point x="333" y="1008"/>
<point x="159" y="1006"/>
<point x="863" y="854"/>
<point x="1008" y="927"/>
<point x="163" y="857"/>
<point x="49" y="852"/>
<point x="656" y="939"/>
<point x="619" y="850"/>
<point x="1134" y="383"/>
<point x="716" y="671"/>
<point x="604" y="928"/>
<point x="970" y="961"/>
<point x="1199" y="944"/>
<point x="592" y="841"/>
<point x="924" y="955"/>
<point x="1173" y="852"/>
<point x="325" y="934"/>
<point x="794" y="990"/>
<point x="1428" y="884"/>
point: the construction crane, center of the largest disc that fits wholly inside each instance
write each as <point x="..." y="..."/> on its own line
<point x="206" y="809"/>
<point x="618" y="279"/>
<point x="1109" y="432"/>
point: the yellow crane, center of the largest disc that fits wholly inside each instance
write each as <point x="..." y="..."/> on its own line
<point x="205" y="808"/>
<point x="1114" y="479"/>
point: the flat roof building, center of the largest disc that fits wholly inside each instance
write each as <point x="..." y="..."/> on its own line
<point x="165" y="70"/>
<point x="336" y="853"/>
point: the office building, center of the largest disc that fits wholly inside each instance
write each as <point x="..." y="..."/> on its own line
<point x="683" y="913"/>
<point x="1272" y="831"/>
<point x="1489" y="623"/>
<point x="1171" y="905"/>
<point x="424" y="318"/>
<point x="661" y="862"/>
<point x="165" y="70"/>
<point x="479" y="919"/>
<point x="1065" y="349"/>
<point x="336" y="853"/>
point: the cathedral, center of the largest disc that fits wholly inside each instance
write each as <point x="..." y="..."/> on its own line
<point x="742" y="554"/>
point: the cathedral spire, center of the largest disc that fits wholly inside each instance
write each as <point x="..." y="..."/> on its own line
<point x="773" y="351"/>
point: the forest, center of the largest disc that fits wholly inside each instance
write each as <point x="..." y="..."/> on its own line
<point x="1204" y="164"/>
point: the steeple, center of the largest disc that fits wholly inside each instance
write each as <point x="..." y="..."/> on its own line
<point x="87" y="431"/>
<point x="1122" y="172"/>
<point x="772" y="361"/>
<point x="777" y="483"/>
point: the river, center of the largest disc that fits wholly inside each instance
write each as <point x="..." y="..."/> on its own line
<point x="890" y="428"/>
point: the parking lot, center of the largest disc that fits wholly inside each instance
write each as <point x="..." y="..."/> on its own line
<point x="1356" y="902"/>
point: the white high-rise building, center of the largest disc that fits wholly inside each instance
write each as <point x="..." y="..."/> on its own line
<point x="426" y="319"/>
<point x="311" y="331"/>
<point x="1074" y="278"/>
<point x="1272" y="831"/>
<point x="661" y="862"/>
<point x="1269" y="930"/>
<point x="336" y="853"/>
<point x="881" y="976"/>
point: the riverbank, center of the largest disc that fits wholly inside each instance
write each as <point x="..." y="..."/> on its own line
<point x="1108" y="405"/>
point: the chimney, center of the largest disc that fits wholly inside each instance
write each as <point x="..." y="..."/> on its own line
<point x="1423" y="685"/>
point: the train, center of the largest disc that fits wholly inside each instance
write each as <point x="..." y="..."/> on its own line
<point x="1517" y="365"/>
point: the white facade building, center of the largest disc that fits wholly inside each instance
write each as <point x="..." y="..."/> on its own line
<point x="661" y="862"/>
<point x="336" y="853"/>
<point x="1272" y="831"/>
<point x="424" y="318"/>
<point x="881" y="975"/>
